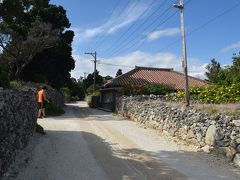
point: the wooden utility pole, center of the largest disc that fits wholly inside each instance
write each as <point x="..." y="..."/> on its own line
<point x="94" y="55"/>
<point x="184" y="51"/>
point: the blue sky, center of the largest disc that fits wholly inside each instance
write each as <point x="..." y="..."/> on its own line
<point x="138" y="32"/>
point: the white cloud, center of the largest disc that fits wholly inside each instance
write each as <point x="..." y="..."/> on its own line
<point x="163" y="33"/>
<point x="137" y="58"/>
<point x="115" y="22"/>
<point x="196" y="68"/>
<point x="231" y="47"/>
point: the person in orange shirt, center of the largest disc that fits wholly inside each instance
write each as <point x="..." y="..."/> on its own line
<point x="42" y="99"/>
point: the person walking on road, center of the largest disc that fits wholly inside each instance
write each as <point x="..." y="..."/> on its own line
<point x="42" y="99"/>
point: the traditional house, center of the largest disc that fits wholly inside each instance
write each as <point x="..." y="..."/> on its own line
<point x="146" y="75"/>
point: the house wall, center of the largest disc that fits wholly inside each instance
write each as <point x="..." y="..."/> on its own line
<point x="218" y="133"/>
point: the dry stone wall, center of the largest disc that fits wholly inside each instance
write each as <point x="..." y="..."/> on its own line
<point x="18" y="116"/>
<point x="55" y="96"/>
<point x="218" y="133"/>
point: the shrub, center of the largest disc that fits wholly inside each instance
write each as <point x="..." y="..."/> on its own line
<point x="4" y="80"/>
<point x="214" y="94"/>
<point x="65" y="91"/>
<point x="53" y="110"/>
<point x="16" y="84"/>
<point x="95" y="93"/>
<point x="129" y="89"/>
<point x="90" y="96"/>
<point x="39" y="129"/>
<point x="156" y="89"/>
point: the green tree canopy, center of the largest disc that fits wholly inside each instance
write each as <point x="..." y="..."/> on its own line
<point x="90" y="80"/>
<point x="42" y="59"/>
<point x="213" y="71"/>
<point x="227" y="75"/>
<point x="119" y="72"/>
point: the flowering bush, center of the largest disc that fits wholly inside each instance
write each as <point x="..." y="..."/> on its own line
<point x="214" y="94"/>
<point x="147" y="89"/>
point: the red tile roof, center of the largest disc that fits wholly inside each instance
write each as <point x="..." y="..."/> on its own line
<point x="146" y="75"/>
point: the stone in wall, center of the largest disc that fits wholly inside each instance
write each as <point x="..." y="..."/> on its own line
<point x="210" y="135"/>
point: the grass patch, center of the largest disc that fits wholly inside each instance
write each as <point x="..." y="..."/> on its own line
<point x="211" y="111"/>
<point x="16" y="85"/>
<point x="234" y="114"/>
<point x="40" y="130"/>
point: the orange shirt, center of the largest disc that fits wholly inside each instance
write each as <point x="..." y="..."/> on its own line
<point x="40" y="96"/>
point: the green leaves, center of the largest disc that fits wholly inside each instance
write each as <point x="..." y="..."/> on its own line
<point x="224" y="76"/>
<point x="214" y="94"/>
<point x="35" y="43"/>
<point x="156" y="89"/>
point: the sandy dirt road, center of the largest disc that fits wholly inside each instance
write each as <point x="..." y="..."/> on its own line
<point x="89" y="144"/>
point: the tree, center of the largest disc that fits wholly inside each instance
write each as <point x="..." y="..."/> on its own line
<point x="52" y="64"/>
<point x="90" y="80"/>
<point x="235" y="69"/>
<point x="19" y="51"/>
<point x="119" y="72"/>
<point x="227" y="75"/>
<point x="107" y="78"/>
<point x="76" y="88"/>
<point x="213" y="71"/>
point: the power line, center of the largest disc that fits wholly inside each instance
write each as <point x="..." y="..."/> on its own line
<point x="112" y="23"/>
<point x="203" y="25"/>
<point x="112" y="11"/>
<point x="137" y="28"/>
<point x="133" y="7"/>
<point x="110" y="64"/>
<point x="125" y="32"/>
<point x="156" y="27"/>
<point x="141" y="43"/>
<point x="145" y="38"/>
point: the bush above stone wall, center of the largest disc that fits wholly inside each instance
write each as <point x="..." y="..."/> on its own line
<point x="53" y="95"/>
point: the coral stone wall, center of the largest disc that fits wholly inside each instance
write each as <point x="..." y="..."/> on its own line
<point x="216" y="132"/>
<point x="52" y="94"/>
<point x="18" y="116"/>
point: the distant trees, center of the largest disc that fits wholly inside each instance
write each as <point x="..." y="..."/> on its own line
<point x="224" y="75"/>
<point x="107" y="78"/>
<point x="213" y="71"/>
<point x="90" y="80"/>
<point x="119" y="72"/>
<point x="34" y="41"/>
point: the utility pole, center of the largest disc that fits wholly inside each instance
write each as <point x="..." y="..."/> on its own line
<point x="94" y="55"/>
<point x="184" y="50"/>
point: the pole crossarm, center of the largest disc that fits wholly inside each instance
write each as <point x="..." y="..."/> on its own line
<point x="94" y="55"/>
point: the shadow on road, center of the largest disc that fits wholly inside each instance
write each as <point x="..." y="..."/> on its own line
<point x="118" y="164"/>
<point x="74" y="111"/>
<point x="75" y="155"/>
